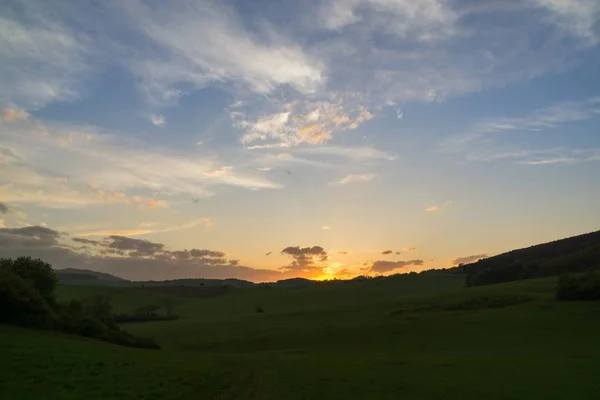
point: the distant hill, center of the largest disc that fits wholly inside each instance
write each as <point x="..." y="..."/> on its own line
<point x="74" y="276"/>
<point x="573" y="254"/>
<point x="231" y="282"/>
<point x="290" y="283"/>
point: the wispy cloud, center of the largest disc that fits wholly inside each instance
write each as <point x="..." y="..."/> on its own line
<point x="158" y="120"/>
<point x="436" y="208"/>
<point x="546" y="119"/>
<point x="575" y="17"/>
<point x="108" y="162"/>
<point x="229" y="53"/>
<point x="353" y="153"/>
<point x="353" y="178"/>
<point x="41" y="59"/>
<point x="325" y="227"/>
<point x="206" y="222"/>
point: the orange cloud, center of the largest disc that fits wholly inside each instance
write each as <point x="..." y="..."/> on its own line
<point x="314" y="134"/>
<point x="437" y="208"/>
<point x="154" y="203"/>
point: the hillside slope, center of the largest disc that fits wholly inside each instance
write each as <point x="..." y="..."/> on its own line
<point x="573" y="254"/>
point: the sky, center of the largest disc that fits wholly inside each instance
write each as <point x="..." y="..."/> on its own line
<point x="268" y="139"/>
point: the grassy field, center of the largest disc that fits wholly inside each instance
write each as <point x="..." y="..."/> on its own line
<point x="407" y="337"/>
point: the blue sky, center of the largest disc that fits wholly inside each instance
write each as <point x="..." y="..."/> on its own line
<point x="264" y="140"/>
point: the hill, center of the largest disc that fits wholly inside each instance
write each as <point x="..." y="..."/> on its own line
<point x="573" y="254"/>
<point x="76" y="276"/>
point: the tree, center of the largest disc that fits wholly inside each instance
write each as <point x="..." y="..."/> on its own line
<point x="20" y="303"/>
<point x="35" y="271"/>
<point x="169" y="304"/>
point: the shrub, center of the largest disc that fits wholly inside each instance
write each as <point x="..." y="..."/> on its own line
<point x="579" y="287"/>
<point x="480" y="302"/>
<point x="20" y="303"/>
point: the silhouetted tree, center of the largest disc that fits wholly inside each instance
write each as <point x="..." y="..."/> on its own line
<point x="169" y="304"/>
<point x="35" y="271"/>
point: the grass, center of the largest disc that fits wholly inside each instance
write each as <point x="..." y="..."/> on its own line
<point x="408" y="337"/>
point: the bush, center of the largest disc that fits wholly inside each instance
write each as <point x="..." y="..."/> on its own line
<point x="74" y="317"/>
<point x="579" y="287"/>
<point x="481" y="302"/>
<point x="20" y="303"/>
<point x="35" y="271"/>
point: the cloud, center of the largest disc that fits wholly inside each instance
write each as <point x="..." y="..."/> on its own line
<point x="325" y="227"/>
<point x="41" y="60"/>
<point x="86" y="241"/>
<point x="206" y="222"/>
<point x="353" y="178"/>
<point x="305" y="259"/>
<point x="387" y="266"/>
<point x="386" y="252"/>
<point x="557" y="155"/>
<point x="137" y="246"/>
<point x="29" y="236"/>
<point x="468" y="259"/>
<point x="410" y="248"/>
<point x="158" y="120"/>
<point x="557" y="160"/>
<point x="115" y="165"/>
<point x="575" y="17"/>
<point x="125" y="257"/>
<point x="3" y="208"/>
<point x="154" y="203"/>
<point x="230" y="53"/>
<point x="352" y="153"/>
<point x="399" y="114"/>
<point x="436" y="208"/>
<point x="342" y="253"/>
<point x="14" y="114"/>
<point x="544" y="119"/>
<point x="295" y="123"/>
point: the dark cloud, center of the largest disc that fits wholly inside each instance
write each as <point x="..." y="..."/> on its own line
<point x="87" y="241"/>
<point x="29" y="236"/>
<point x="468" y="259"/>
<point x="268" y="254"/>
<point x="206" y="253"/>
<point x="305" y="259"/>
<point x="398" y="253"/>
<point x="234" y="262"/>
<point x="386" y="252"/>
<point x="3" y="208"/>
<point x="137" y="247"/>
<point x="387" y="266"/>
<point x="343" y="253"/>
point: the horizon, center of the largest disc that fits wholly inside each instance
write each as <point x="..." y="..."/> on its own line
<point x="319" y="141"/>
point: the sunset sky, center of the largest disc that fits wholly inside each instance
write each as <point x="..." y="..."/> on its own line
<point x="268" y="139"/>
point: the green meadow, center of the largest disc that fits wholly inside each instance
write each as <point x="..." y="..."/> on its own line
<point x="405" y="337"/>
